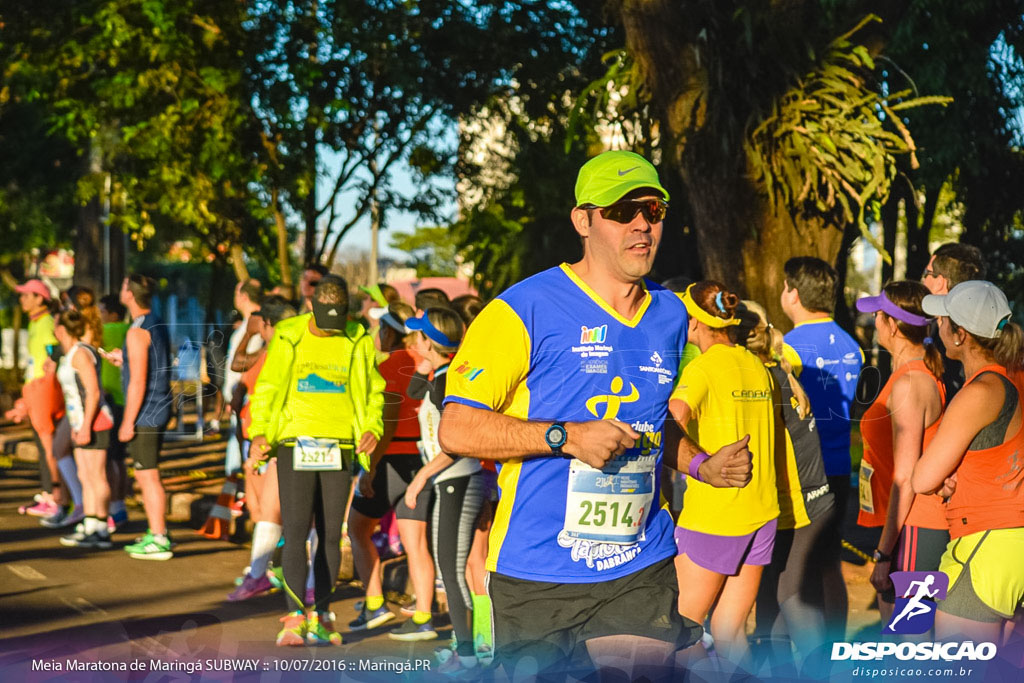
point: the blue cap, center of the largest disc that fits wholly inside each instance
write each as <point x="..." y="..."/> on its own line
<point x="423" y="324"/>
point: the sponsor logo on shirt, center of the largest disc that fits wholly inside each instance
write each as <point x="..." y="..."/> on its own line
<point x="594" y="367"/>
<point x="592" y="342"/>
<point x="468" y="372"/>
<point x="593" y="335"/>
<point x="597" y="555"/>
<point x="665" y="376"/>
<point x="613" y="401"/>
<point x="752" y="395"/>
<point x="315" y="384"/>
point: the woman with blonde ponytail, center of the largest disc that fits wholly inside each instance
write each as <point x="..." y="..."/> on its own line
<point x="896" y="429"/>
<point x="791" y="597"/>
<point x="975" y="461"/>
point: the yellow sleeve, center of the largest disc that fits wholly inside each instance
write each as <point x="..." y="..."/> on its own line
<point x="271" y="387"/>
<point x="493" y="360"/>
<point x="368" y="384"/>
<point x="692" y="386"/>
<point x="793" y="358"/>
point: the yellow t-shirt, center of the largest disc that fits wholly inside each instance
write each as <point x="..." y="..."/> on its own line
<point x="729" y="393"/>
<point x="40" y="338"/>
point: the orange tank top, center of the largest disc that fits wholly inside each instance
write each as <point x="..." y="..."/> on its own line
<point x="990" y="482"/>
<point x="876" y="469"/>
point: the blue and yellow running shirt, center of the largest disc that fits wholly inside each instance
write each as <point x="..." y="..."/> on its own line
<point x="550" y="349"/>
<point x="827" y="362"/>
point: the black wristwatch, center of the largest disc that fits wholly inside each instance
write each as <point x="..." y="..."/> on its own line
<point x="556" y="437"/>
<point x="879" y="556"/>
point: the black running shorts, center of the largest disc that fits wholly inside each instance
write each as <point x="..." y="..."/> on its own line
<point x="394" y="472"/>
<point x="550" y="621"/>
<point x="144" y="449"/>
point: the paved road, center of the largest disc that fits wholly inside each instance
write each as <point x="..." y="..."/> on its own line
<point x="62" y="604"/>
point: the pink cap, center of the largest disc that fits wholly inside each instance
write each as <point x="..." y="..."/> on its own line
<point x="35" y="287"/>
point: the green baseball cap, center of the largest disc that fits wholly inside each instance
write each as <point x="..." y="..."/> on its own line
<point x="609" y="176"/>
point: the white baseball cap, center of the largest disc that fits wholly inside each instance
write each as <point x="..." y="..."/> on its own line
<point x="976" y="305"/>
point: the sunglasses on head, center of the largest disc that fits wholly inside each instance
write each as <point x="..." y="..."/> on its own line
<point x="654" y="210"/>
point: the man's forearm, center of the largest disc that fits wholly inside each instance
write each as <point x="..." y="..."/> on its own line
<point x="133" y="401"/>
<point x="243" y="360"/>
<point x="486" y="435"/>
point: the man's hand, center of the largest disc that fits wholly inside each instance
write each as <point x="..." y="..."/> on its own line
<point x="880" y="576"/>
<point x="126" y="433"/>
<point x="19" y="412"/>
<point x="597" y="442"/>
<point x="83" y="436"/>
<point x="259" y="448"/>
<point x="730" y="466"/>
<point x="366" y="483"/>
<point x="367" y="444"/>
<point x="115" y="357"/>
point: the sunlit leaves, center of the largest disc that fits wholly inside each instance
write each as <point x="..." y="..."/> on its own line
<point x="828" y="146"/>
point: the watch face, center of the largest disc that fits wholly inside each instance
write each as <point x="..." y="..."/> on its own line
<point x="555" y="436"/>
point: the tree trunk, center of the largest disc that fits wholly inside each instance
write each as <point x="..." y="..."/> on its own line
<point x="743" y="242"/>
<point x="88" y="242"/>
<point x="283" y="256"/>
<point x="238" y="263"/>
<point x="918" y="237"/>
<point x="890" y="226"/>
<point x="844" y="315"/>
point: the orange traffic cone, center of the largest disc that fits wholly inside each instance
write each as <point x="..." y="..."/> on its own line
<point x="218" y="523"/>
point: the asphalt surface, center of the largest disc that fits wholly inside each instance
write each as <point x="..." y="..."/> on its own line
<point x="68" y="607"/>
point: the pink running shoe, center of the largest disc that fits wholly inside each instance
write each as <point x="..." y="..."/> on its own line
<point x="43" y="509"/>
<point x="250" y="587"/>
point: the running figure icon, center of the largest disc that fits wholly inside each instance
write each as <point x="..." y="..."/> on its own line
<point x="915" y="607"/>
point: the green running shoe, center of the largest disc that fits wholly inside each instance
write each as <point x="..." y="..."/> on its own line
<point x="150" y="547"/>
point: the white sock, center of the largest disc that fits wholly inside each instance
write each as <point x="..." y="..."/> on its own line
<point x="91" y="524"/>
<point x="264" y="542"/>
<point x="313" y="540"/>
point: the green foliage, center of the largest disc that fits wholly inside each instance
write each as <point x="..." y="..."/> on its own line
<point x="153" y="92"/>
<point x="521" y="224"/>
<point x="37" y="183"/>
<point x="432" y="249"/>
<point x="827" y="147"/>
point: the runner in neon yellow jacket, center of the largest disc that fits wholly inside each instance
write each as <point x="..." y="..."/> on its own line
<point x="325" y="386"/>
<point x="318" y="398"/>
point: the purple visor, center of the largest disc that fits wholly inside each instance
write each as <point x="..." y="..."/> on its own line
<point x="871" y="304"/>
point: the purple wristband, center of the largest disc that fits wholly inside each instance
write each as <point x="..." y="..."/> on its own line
<point x="695" y="464"/>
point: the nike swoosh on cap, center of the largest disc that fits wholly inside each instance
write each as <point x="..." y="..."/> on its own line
<point x="628" y="170"/>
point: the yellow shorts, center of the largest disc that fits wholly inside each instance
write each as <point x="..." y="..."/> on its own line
<point x="992" y="587"/>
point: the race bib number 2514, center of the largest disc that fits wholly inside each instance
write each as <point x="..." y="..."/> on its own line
<point x="608" y="507"/>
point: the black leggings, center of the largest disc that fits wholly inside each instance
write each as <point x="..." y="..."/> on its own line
<point x="320" y="497"/>
<point x="457" y="503"/>
<point x="791" y="597"/>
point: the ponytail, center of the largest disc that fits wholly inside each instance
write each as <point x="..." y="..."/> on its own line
<point x="1009" y="347"/>
<point x="933" y="359"/>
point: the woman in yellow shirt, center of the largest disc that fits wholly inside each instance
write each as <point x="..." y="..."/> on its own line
<point x="724" y="537"/>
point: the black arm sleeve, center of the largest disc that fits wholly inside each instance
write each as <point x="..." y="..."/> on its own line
<point x="419" y="387"/>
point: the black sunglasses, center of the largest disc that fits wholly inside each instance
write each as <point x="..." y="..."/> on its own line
<point x="654" y="210"/>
